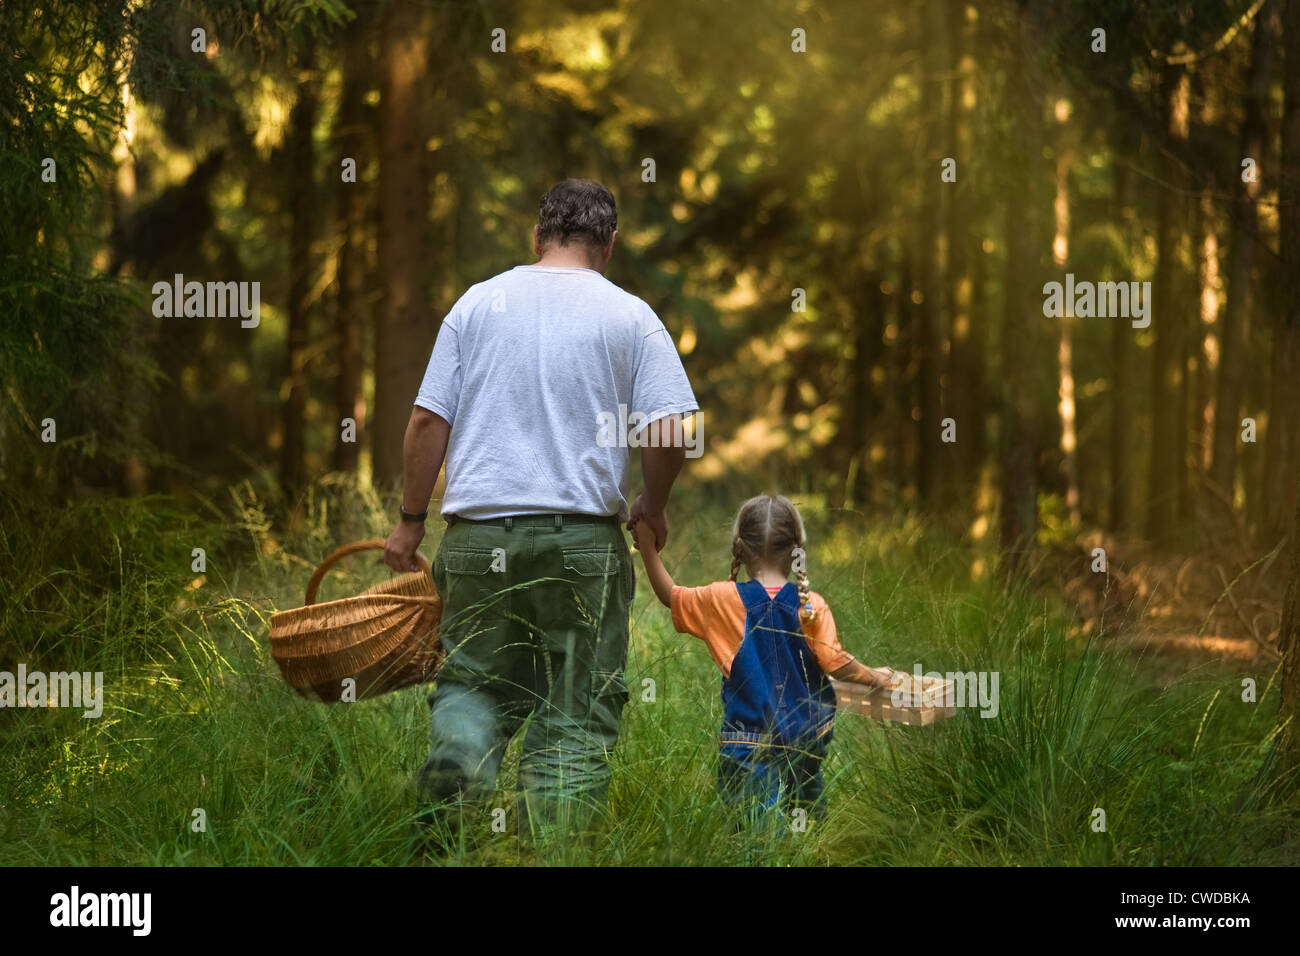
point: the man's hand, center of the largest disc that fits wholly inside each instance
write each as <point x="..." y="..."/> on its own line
<point x="399" y="549"/>
<point x="423" y="450"/>
<point x="656" y="521"/>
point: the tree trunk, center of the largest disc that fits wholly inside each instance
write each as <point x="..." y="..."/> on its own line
<point x="302" y="210"/>
<point x="868" y="331"/>
<point x="1023" y="306"/>
<point x="966" y="358"/>
<point x="1121" y="406"/>
<point x="135" y="474"/>
<point x="1065" y="338"/>
<point x="1283" y="452"/>
<point x="1235" y="335"/>
<point x="405" y="329"/>
<point x="901" y="379"/>
<point x="931" y="256"/>
<point x="353" y="308"/>
<point x="1207" y="359"/>
<point x="1169" y="368"/>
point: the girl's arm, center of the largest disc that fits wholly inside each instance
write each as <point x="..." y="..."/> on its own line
<point x="858" y="673"/>
<point x="821" y="635"/>
<point x="660" y="579"/>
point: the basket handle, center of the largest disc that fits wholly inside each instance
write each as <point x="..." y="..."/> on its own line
<point x="373" y="544"/>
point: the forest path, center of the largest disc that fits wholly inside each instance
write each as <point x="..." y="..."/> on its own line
<point x="1180" y="611"/>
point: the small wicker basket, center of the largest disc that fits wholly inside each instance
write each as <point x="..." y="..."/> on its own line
<point x="384" y="639"/>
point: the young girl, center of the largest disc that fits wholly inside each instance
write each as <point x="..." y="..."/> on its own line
<point x="775" y="644"/>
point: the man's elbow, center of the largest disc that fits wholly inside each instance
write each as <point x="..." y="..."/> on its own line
<point x="423" y="419"/>
<point x="663" y="439"/>
<point x="672" y="456"/>
<point x="666" y="432"/>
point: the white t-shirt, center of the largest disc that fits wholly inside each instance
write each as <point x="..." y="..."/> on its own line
<point x="530" y="367"/>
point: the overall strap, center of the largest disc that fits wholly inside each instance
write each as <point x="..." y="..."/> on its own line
<point x="789" y="596"/>
<point x="757" y="601"/>
<point x="754" y="595"/>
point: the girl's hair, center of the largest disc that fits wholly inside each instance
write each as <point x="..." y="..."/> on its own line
<point x="768" y="530"/>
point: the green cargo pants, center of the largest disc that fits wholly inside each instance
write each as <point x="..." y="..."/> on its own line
<point x="535" y="624"/>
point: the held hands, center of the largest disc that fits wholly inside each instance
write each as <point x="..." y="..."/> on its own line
<point x="648" y="544"/>
<point x="657" y="523"/>
<point x="399" y="549"/>
<point x="644" y="537"/>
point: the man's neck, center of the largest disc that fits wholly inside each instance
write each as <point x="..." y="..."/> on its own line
<point x="570" y="257"/>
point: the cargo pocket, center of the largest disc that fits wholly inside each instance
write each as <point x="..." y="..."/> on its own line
<point x="469" y="561"/>
<point x="468" y="580"/>
<point x="629" y="581"/>
<point x="592" y="562"/>
<point x="608" y="698"/>
<point x="611" y="685"/>
<point x="599" y="574"/>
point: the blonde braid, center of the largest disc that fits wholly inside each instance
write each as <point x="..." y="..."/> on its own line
<point x="806" y="613"/>
<point x="736" y="561"/>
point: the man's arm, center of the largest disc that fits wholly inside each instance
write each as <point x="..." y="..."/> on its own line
<point x="661" y="460"/>
<point x="423" y="450"/>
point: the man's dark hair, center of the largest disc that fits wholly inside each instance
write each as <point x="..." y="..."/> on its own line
<point x="577" y="209"/>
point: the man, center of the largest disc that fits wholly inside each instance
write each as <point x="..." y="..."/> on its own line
<point x="533" y="570"/>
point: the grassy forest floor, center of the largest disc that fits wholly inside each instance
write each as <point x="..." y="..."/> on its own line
<point x="196" y="715"/>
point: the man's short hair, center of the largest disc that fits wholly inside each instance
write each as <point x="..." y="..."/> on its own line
<point x="578" y="209"/>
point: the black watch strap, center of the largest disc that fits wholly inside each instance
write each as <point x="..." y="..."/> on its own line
<point x="407" y="516"/>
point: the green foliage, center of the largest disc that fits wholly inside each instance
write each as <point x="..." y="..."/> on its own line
<point x="775" y="171"/>
<point x="70" y="344"/>
<point x="64" y="344"/>
<point x="197" y="717"/>
<point x="99" y="583"/>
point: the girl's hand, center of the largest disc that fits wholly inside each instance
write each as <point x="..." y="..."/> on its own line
<point x="648" y="547"/>
<point x="888" y="677"/>
<point x="873" y="678"/>
<point x="644" y="537"/>
<point x="639" y="515"/>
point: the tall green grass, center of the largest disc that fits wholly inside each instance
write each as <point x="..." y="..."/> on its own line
<point x="197" y="718"/>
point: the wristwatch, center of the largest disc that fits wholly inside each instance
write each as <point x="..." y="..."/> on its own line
<point x="416" y="518"/>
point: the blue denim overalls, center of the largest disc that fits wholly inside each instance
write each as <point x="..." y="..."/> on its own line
<point x="778" y="707"/>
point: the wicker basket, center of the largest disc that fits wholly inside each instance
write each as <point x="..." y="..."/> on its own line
<point x="385" y="638"/>
<point x="918" y="705"/>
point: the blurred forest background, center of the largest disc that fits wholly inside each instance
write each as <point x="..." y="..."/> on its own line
<point x="783" y="206"/>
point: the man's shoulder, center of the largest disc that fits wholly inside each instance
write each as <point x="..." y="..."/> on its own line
<point x="606" y="296"/>
<point x="475" y="294"/>
<point x="483" y="289"/>
<point x="637" y="309"/>
<point x="632" y="303"/>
